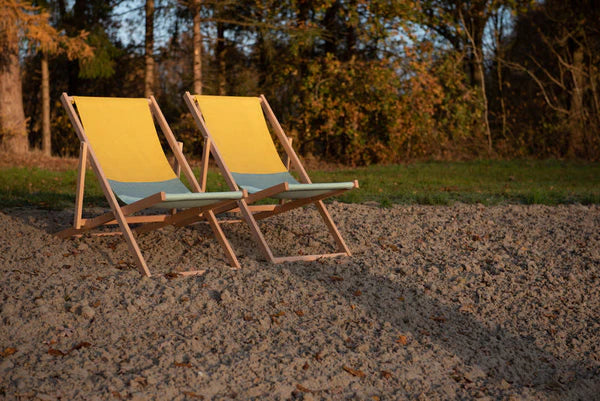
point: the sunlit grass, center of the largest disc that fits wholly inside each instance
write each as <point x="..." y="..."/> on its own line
<point x="433" y="183"/>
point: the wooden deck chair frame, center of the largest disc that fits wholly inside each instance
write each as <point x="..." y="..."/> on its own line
<point x="252" y="213"/>
<point x="122" y="215"/>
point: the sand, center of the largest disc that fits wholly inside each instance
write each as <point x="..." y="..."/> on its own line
<point x="437" y="303"/>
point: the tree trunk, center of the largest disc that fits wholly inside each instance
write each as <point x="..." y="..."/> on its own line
<point x="149" y="49"/>
<point x="13" y="130"/>
<point x="220" y="54"/>
<point x="576" y="113"/>
<point x="46" y="138"/>
<point x="197" y="40"/>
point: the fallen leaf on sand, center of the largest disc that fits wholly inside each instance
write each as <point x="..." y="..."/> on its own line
<point x="193" y="395"/>
<point x="81" y="345"/>
<point x="357" y="293"/>
<point x="304" y="389"/>
<point x="55" y="352"/>
<point x="299" y="313"/>
<point x="402" y="339"/>
<point x="248" y="318"/>
<point x="439" y="319"/>
<point x="182" y="364"/>
<point x="386" y="375"/>
<point x="117" y="395"/>
<point x="305" y="366"/>
<point x="354" y="372"/>
<point x="336" y="278"/>
<point x="8" y="351"/>
<point x="275" y="317"/>
<point x="140" y="380"/>
<point x="172" y="275"/>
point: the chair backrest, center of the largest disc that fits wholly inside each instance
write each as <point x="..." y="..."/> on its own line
<point x="237" y="126"/>
<point x="121" y="133"/>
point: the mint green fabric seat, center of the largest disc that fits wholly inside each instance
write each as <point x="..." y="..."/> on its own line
<point x="177" y="194"/>
<point x="257" y="182"/>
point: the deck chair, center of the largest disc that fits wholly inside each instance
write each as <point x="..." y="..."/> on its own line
<point x="120" y="138"/>
<point x="236" y="134"/>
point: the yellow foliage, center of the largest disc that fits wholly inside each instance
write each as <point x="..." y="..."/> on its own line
<point x="34" y="27"/>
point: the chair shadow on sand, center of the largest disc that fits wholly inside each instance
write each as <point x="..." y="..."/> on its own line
<point x="501" y="354"/>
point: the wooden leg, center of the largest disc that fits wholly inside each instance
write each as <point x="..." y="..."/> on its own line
<point x="133" y="246"/>
<point x="255" y="230"/>
<point x="205" y="157"/>
<point x="214" y="224"/>
<point x="177" y="169"/>
<point x="332" y="228"/>
<point x="80" y="185"/>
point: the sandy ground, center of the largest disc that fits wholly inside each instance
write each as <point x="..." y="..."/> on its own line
<point x="437" y="303"/>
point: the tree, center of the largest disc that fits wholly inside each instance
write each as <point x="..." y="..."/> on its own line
<point x="149" y="49"/>
<point x="554" y="55"/>
<point x="197" y="45"/>
<point x="20" y="20"/>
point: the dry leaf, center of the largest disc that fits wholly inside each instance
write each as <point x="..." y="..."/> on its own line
<point x="8" y="351"/>
<point x="402" y="340"/>
<point x="171" y="275"/>
<point x="386" y="375"/>
<point x="96" y="304"/>
<point x="81" y="345"/>
<point x="248" y="318"/>
<point x="182" y="364"/>
<point x="193" y="395"/>
<point x="117" y="395"/>
<point x="357" y="293"/>
<point x="55" y="352"/>
<point x="354" y="372"/>
<point x="336" y="278"/>
<point x="375" y="398"/>
<point x="305" y="366"/>
<point x="304" y="389"/>
<point x="352" y="306"/>
<point x="141" y="380"/>
<point x="401" y="299"/>
<point x="439" y="319"/>
<point x="299" y="313"/>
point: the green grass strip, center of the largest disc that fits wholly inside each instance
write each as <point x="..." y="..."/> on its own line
<point x="548" y="182"/>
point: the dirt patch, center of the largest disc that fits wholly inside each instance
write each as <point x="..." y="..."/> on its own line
<point x="437" y="303"/>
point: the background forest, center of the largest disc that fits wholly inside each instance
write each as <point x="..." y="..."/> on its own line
<point x="352" y="81"/>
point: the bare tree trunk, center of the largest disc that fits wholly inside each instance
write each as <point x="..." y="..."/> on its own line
<point x="149" y="49"/>
<point x="197" y="40"/>
<point x="13" y="130"/>
<point x="46" y="137"/>
<point x="485" y="102"/>
<point x="220" y="54"/>
<point x="576" y="112"/>
<point x="478" y="58"/>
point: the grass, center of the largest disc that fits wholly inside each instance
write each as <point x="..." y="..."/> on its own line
<point x="547" y="182"/>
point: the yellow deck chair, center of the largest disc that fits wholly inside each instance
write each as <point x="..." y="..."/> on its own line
<point x="236" y="134"/>
<point x="119" y="136"/>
